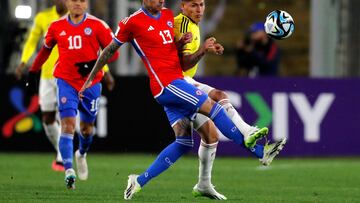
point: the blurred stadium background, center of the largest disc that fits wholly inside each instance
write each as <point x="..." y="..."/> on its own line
<point x="313" y="102"/>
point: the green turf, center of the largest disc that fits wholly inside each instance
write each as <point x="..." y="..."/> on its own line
<point x="28" y="178"/>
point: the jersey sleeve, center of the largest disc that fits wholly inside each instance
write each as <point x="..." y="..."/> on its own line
<point x="105" y="35"/>
<point x="123" y="33"/>
<point x="35" y="34"/>
<point x="181" y="27"/>
<point x="50" y="39"/>
<point x="177" y="28"/>
<point x="189" y="48"/>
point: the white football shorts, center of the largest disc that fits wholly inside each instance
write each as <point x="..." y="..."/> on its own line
<point x="48" y="95"/>
<point x="200" y="119"/>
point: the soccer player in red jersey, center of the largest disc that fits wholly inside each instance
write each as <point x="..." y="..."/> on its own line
<point x="80" y="38"/>
<point x="150" y="31"/>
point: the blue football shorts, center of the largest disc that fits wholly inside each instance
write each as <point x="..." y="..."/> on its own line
<point x="69" y="102"/>
<point x="181" y="100"/>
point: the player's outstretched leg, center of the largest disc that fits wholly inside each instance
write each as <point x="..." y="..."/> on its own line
<point x="132" y="187"/>
<point x="227" y="126"/>
<point x="166" y="158"/>
<point x="271" y="151"/>
<point x="250" y="140"/>
<point x="251" y="133"/>
<point x="66" y="149"/>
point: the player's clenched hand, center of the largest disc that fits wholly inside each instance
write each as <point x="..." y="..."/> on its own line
<point x="219" y="49"/>
<point x="186" y="38"/>
<point x="209" y="45"/>
<point x="82" y="90"/>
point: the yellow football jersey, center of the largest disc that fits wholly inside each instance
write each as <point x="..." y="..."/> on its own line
<point x="184" y="24"/>
<point x="41" y="24"/>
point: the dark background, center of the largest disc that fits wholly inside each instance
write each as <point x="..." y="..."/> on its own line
<point x="136" y="122"/>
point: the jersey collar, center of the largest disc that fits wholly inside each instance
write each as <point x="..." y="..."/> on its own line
<point x="188" y="18"/>
<point x="150" y="15"/>
<point x="73" y="24"/>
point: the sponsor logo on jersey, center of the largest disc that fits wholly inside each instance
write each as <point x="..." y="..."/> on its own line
<point x="170" y="24"/>
<point x="88" y="31"/>
<point x="63" y="33"/>
<point x="199" y="92"/>
<point x="151" y="28"/>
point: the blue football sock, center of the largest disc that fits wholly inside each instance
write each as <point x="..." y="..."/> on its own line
<point x="258" y="151"/>
<point x="166" y="158"/>
<point x="229" y="130"/>
<point x="84" y="143"/>
<point x="225" y="125"/>
<point x="66" y="149"/>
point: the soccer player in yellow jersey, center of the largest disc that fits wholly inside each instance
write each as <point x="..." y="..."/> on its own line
<point x="187" y="25"/>
<point x="47" y="88"/>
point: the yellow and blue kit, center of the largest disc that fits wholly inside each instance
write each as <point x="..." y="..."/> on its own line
<point x="184" y="24"/>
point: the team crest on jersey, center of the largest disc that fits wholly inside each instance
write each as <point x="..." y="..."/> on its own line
<point x="199" y="92"/>
<point x="170" y="24"/>
<point x="88" y="31"/>
<point x="63" y="100"/>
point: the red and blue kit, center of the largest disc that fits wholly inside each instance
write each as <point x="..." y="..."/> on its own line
<point x="153" y="39"/>
<point x="79" y="47"/>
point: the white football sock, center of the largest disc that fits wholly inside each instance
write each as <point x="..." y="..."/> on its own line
<point x="207" y="153"/>
<point x="53" y="131"/>
<point x="236" y="118"/>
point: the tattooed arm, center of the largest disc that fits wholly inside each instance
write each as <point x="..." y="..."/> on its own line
<point x="210" y="46"/>
<point x="107" y="53"/>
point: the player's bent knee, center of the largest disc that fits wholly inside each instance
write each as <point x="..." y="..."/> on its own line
<point x="207" y="106"/>
<point x="182" y="128"/>
<point x="218" y="95"/>
<point x="87" y="132"/>
<point x="208" y="133"/>
<point x="86" y="129"/>
<point x="68" y="125"/>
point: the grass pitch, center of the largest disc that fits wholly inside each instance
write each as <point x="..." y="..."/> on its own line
<point x="29" y="178"/>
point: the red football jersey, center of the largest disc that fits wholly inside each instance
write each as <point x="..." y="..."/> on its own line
<point x="78" y="44"/>
<point x="153" y="39"/>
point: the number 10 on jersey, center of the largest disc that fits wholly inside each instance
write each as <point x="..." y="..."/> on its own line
<point x="75" y="42"/>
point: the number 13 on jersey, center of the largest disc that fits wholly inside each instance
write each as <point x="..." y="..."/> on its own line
<point x="166" y="36"/>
